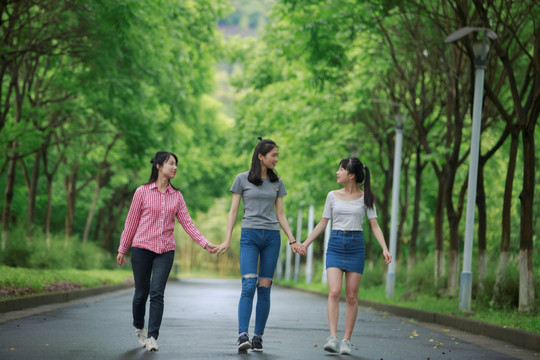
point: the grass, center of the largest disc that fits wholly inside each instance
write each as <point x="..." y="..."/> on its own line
<point x="16" y="282"/>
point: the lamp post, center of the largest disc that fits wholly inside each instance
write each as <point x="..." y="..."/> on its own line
<point x="481" y="52"/>
<point x="391" y="275"/>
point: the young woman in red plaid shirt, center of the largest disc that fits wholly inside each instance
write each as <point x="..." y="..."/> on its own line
<point x="149" y="230"/>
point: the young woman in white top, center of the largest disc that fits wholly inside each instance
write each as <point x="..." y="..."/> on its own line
<point x="345" y="255"/>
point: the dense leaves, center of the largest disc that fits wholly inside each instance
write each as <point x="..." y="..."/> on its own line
<point x="345" y="72"/>
<point x="90" y="91"/>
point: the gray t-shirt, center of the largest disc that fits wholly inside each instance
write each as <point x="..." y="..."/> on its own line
<point x="347" y="215"/>
<point x="259" y="201"/>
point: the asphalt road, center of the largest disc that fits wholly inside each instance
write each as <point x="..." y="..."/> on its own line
<point x="200" y="323"/>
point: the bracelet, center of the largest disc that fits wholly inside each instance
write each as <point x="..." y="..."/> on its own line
<point x="293" y="242"/>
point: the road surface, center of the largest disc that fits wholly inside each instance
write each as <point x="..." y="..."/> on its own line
<point x="200" y="323"/>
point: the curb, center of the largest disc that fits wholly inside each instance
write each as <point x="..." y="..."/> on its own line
<point x="521" y="338"/>
<point x="60" y="297"/>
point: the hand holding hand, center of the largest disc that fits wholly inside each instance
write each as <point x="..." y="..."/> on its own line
<point x="387" y="257"/>
<point x="120" y="259"/>
<point x="302" y="249"/>
<point x="222" y="248"/>
<point x="297" y="248"/>
<point x="211" y="248"/>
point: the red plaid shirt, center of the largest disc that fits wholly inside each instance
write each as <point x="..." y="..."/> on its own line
<point x="150" y="221"/>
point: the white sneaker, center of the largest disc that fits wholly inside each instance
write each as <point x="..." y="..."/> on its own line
<point x="151" y="344"/>
<point x="332" y="344"/>
<point x="345" y="347"/>
<point x="141" y="336"/>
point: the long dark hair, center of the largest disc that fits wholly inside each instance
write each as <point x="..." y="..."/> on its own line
<point x="361" y="172"/>
<point x="159" y="159"/>
<point x="263" y="147"/>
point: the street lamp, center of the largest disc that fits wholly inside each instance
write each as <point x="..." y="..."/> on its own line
<point x="481" y="52"/>
<point x="391" y="275"/>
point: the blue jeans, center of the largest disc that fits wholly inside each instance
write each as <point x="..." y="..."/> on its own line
<point x="150" y="271"/>
<point x="257" y="247"/>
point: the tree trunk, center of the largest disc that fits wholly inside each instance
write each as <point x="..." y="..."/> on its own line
<point x="526" y="269"/>
<point x="416" y="211"/>
<point x="31" y="200"/>
<point x="453" y="275"/>
<point x="482" y="226"/>
<point x="453" y="218"/>
<point x="8" y="198"/>
<point x="439" y="245"/>
<point x="48" y="214"/>
<point x="386" y="205"/>
<point x="506" y="216"/>
<point x="71" y="195"/>
<point x="92" y="210"/>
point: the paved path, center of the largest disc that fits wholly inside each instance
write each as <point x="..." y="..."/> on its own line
<point x="200" y="323"/>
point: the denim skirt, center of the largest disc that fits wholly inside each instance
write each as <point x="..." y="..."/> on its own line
<point x="346" y="251"/>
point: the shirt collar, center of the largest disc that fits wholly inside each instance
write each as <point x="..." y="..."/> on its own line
<point x="154" y="186"/>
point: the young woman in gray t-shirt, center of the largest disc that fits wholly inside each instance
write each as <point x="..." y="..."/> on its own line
<point x="262" y="192"/>
<point x="345" y="255"/>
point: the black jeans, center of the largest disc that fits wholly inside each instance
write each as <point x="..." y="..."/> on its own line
<point x="150" y="271"/>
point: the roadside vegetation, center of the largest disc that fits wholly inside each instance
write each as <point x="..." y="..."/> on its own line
<point x="421" y="293"/>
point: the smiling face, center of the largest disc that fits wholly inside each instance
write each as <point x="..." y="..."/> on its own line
<point x="270" y="159"/>
<point x="168" y="169"/>
<point x="343" y="176"/>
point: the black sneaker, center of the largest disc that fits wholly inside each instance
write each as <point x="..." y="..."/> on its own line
<point x="243" y="343"/>
<point x="256" y="343"/>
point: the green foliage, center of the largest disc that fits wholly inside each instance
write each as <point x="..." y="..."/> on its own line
<point x="17" y="252"/>
<point x="508" y="297"/>
<point x="419" y="278"/>
<point x="420" y="293"/>
<point x="21" y="252"/>
<point x="124" y="79"/>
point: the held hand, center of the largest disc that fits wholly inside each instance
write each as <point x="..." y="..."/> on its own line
<point x="120" y="259"/>
<point x="302" y="249"/>
<point x="211" y="248"/>
<point x="387" y="257"/>
<point x="222" y="248"/>
<point x="296" y="248"/>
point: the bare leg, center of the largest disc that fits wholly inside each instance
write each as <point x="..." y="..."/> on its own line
<point x="335" y="283"/>
<point x="352" y="284"/>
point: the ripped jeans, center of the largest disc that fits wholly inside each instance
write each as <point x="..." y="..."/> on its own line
<point x="257" y="247"/>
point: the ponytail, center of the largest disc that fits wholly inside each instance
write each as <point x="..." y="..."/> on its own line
<point x="362" y="175"/>
<point x="369" y="197"/>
